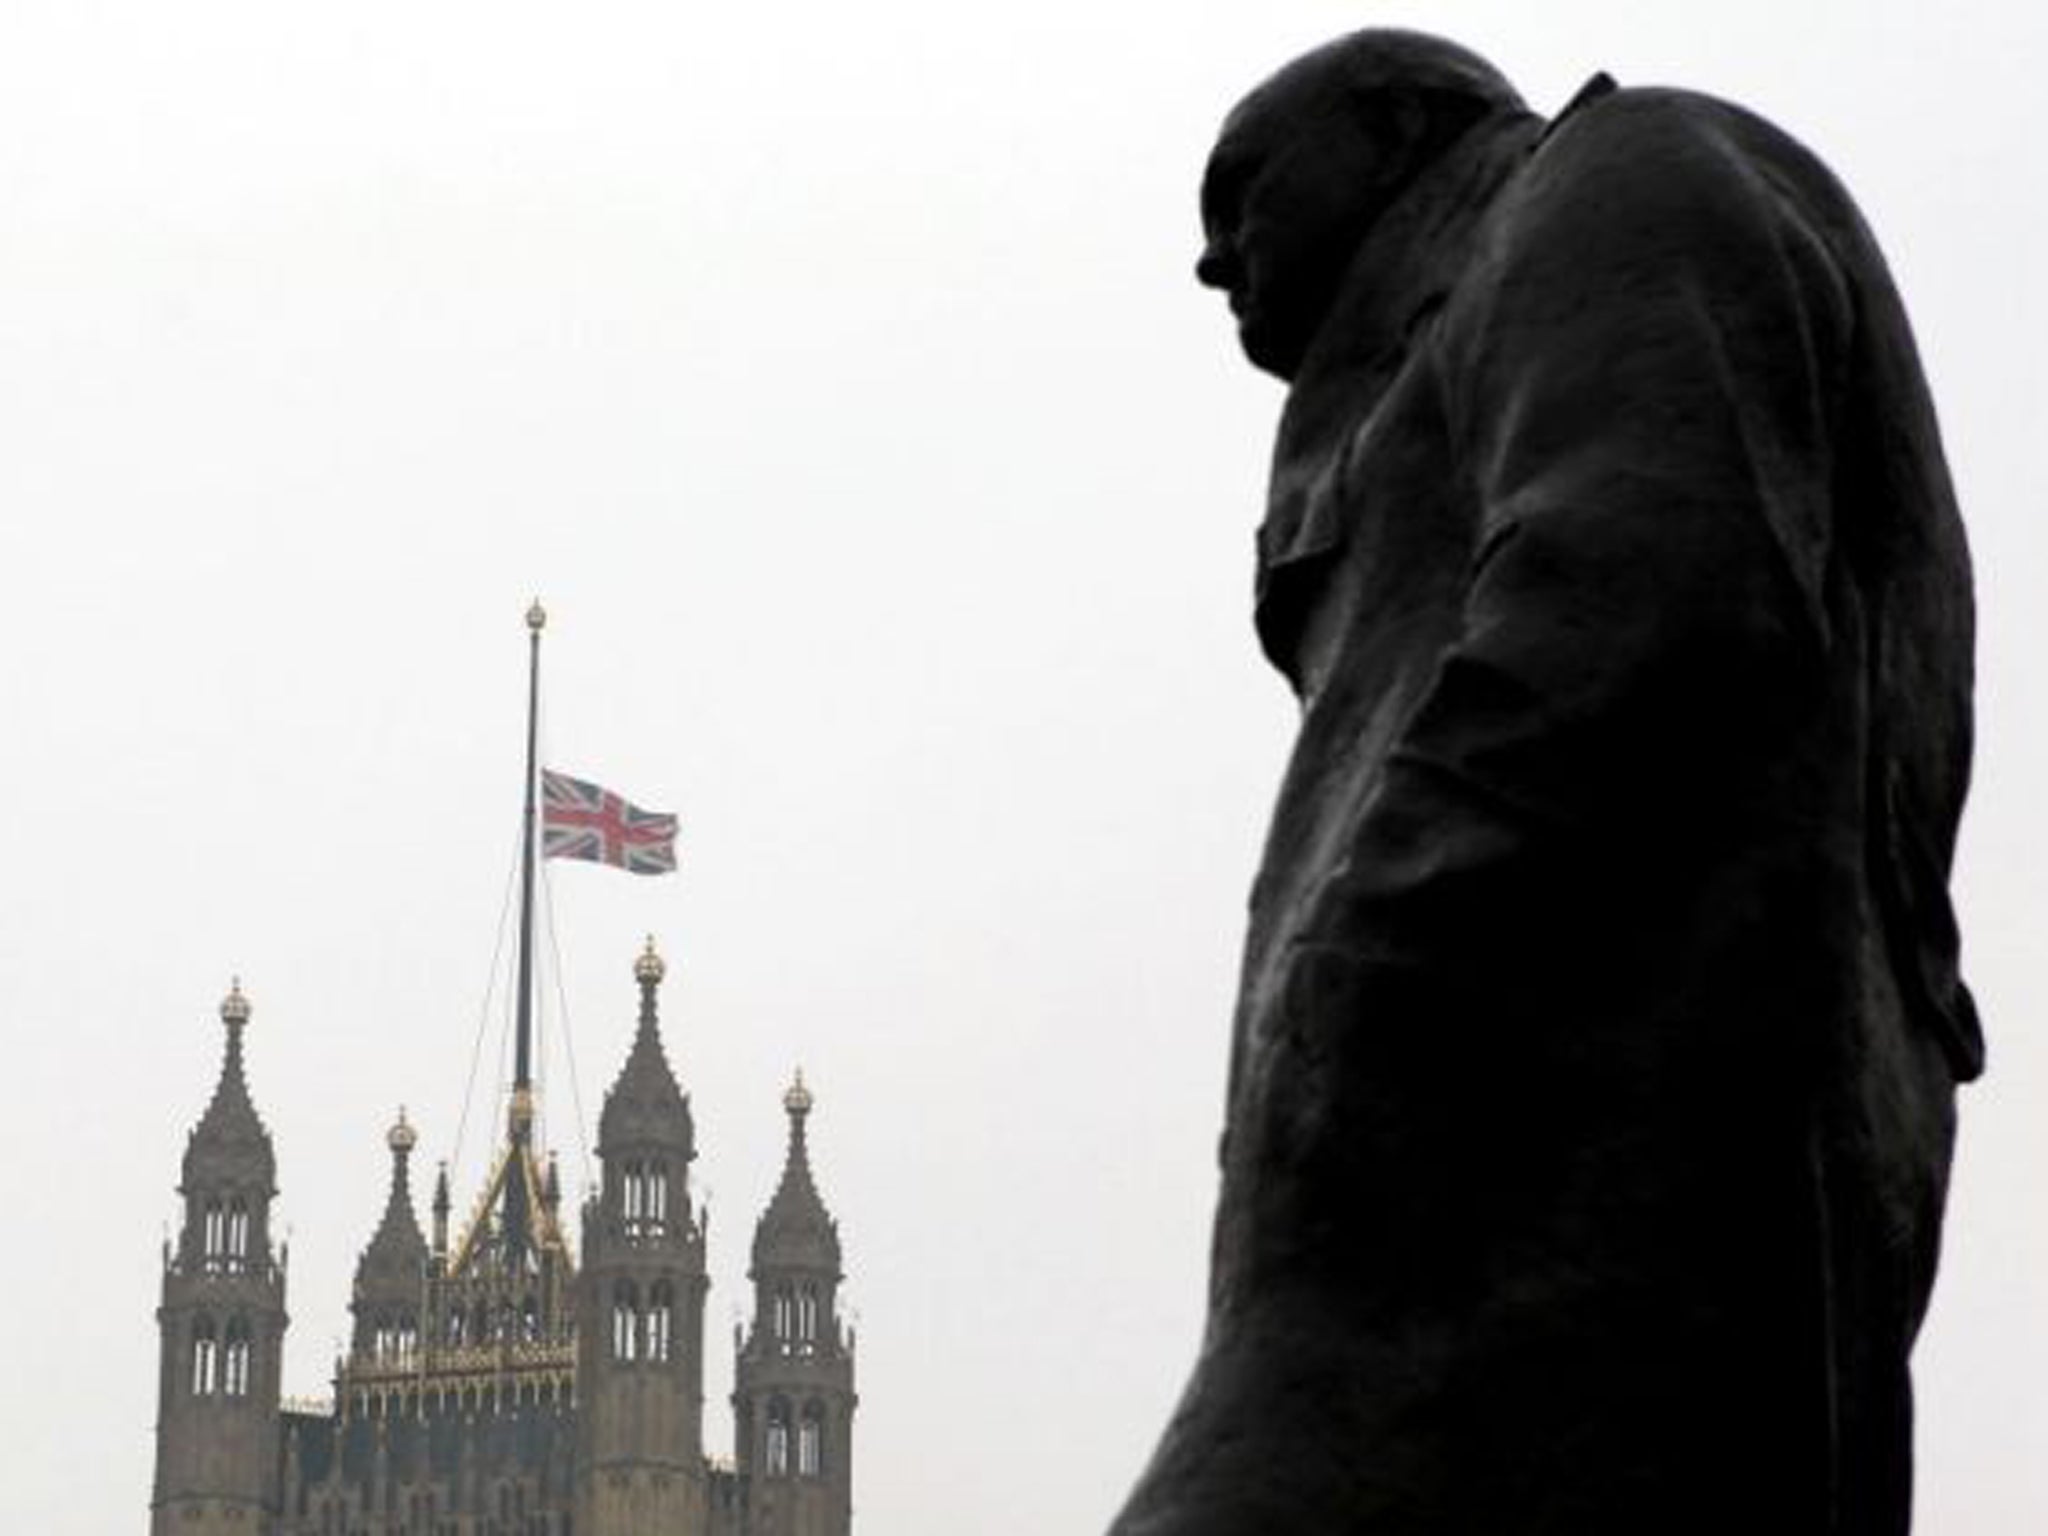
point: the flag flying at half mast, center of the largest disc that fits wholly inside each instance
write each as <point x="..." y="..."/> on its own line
<point x="581" y="820"/>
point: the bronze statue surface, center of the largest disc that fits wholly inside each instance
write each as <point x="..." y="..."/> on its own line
<point x="1592" y="1076"/>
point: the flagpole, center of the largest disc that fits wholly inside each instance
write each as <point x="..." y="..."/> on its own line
<point x="522" y="1081"/>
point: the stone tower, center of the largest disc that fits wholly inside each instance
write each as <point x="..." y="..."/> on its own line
<point x="640" y="1311"/>
<point x="221" y="1322"/>
<point x="793" y="1395"/>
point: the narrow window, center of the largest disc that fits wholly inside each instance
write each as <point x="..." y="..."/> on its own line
<point x="661" y="1310"/>
<point x="238" y="1231"/>
<point x="657" y="1194"/>
<point x="205" y="1357"/>
<point x="807" y="1314"/>
<point x="783" y="1310"/>
<point x="235" y="1360"/>
<point x="810" y="1441"/>
<point x="213" y="1233"/>
<point x="636" y="1193"/>
<point x="778" y="1438"/>
<point x="625" y="1322"/>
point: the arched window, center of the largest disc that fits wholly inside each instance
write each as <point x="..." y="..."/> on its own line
<point x="785" y="1308"/>
<point x="657" y="1194"/>
<point x="529" y="1320"/>
<point x="661" y="1314"/>
<point x="778" y="1438"/>
<point x="454" y="1328"/>
<point x="238" y="1232"/>
<point x="205" y="1357"/>
<point x="213" y="1238"/>
<point x="807" y="1314"/>
<point x="235" y="1359"/>
<point x="625" y="1321"/>
<point x="810" y="1441"/>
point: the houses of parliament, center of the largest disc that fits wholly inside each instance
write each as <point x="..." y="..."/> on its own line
<point x="495" y="1383"/>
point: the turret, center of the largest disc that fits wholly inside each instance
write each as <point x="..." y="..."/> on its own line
<point x="391" y="1274"/>
<point x="640" y="1353"/>
<point x="793" y="1396"/>
<point x="221" y="1320"/>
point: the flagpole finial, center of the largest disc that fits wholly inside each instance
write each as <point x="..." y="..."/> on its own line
<point x="536" y="617"/>
<point x="234" y="1008"/>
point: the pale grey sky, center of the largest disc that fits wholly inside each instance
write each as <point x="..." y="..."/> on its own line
<point x="836" y="375"/>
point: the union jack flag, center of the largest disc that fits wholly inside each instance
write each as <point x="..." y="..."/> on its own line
<point x="580" y="820"/>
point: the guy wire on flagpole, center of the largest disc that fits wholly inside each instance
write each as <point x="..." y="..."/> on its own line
<point x="483" y="1016"/>
<point x="547" y="902"/>
<point x="547" y="886"/>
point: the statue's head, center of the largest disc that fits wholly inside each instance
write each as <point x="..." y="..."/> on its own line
<point x="1308" y="162"/>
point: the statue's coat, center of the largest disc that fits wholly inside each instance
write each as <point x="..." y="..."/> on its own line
<point x="1591" y="1089"/>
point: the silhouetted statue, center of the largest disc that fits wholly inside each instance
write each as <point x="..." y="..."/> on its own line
<point x="1592" y="1082"/>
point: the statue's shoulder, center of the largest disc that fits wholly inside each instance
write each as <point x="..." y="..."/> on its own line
<point x="1655" y="175"/>
<point x="1662" y="149"/>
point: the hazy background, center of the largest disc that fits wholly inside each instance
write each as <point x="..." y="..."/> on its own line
<point x="835" y="374"/>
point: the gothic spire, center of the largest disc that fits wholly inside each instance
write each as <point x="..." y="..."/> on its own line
<point x="395" y="1254"/>
<point x="441" y="1207"/>
<point x="796" y="1231"/>
<point x="645" y="1107"/>
<point x="230" y="1141"/>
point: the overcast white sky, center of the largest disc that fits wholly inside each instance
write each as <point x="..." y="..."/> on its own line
<point x="836" y="375"/>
